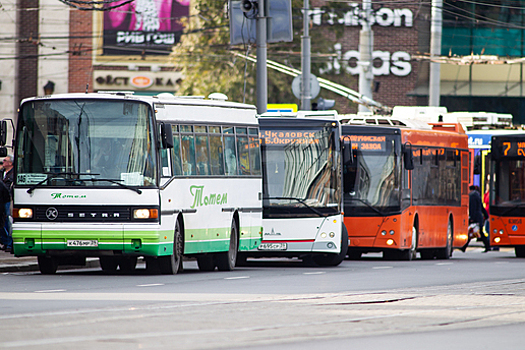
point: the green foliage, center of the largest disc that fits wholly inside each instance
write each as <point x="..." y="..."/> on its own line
<point x="210" y="64"/>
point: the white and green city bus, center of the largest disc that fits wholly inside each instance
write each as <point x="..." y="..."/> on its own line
<point x="302" y="196"/>
<point x="119" y="176"/>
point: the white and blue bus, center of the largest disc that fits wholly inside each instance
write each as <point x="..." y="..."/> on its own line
<point x="302" y="196"/>
<point x="119" y="176"/>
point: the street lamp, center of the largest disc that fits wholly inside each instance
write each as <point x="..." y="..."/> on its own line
<point x="49" y="88"/>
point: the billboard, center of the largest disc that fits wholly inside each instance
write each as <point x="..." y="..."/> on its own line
<point x="141" y="27"/>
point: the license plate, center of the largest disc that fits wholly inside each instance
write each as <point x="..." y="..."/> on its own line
<point x="82" y="243"/>
<point x="273" y="246"/>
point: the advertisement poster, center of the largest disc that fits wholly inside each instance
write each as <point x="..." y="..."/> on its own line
<point x="144" y="27"/>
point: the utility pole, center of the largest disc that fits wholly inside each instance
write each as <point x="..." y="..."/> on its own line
<point x="306" y="94"/>
<point x="262" y="74"/>
<point x="435" y="50"/>
<point x="366" y="43"/>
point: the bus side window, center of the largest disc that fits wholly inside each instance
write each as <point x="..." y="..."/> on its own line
<point x="242" y="148"/>
<point x="255" y="151"/>
<point x="177" y="164"/>
<point x="188" y="150"/>
<point x="216" y="151"/>
<point x="230" y="152"/>
<point x="201" y="151"/>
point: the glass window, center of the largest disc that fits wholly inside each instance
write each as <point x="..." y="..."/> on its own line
<point x="165" y="163"/>
<point x="244" y="157"/>
<point x="186" y="128"/>
<point x="214" y="129"/>
<point x="200" y="128"/>
<point x="230" y="155"/>
<point x="188" y="155"/>
<point x="177" y="164"/>
<point x="201" y="148"/>
<point x="255" y="155"/>
<point x="227" y="130"/>
<point x="216" y="155"/>
<point x="241" y="131"/>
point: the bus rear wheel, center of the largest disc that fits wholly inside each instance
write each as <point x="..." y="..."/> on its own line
<point x="172" y="264"/>
<point x="445" y="253"/>
<point x="47" y="265"/>
<point x="226" y="261"/>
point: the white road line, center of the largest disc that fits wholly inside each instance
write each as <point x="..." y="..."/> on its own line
<point x="314" y="273"/>
<point x="382" y="267"/>
<point x="237" y="278"/>
<point x="442" y="264"/>
<point x="50" y="291"/>
<point x="150" y="285"/>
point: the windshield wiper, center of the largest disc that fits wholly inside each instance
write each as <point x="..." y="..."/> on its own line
<point x="369" y="205"/>
<point x="302" y="202"/>
<point x="51" y="176"/>
<point x="113" y="181"/>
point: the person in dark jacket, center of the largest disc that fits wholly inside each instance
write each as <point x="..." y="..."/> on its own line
<point x="477" y="214"/>
<point x="6" y="240"/>
<point x="7" y="180"/>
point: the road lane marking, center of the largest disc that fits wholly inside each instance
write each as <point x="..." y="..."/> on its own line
<point x="50" y="291"/>
<point x="237" y="278"/>
<point x="151" y="285"/>
<point x="314" y="273"/>
<point x="442" y="264"/>
<point x="382" y="267"/>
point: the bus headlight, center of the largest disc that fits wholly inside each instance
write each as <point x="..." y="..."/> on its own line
<point x="23" y="213"/>
<point x="497" y="239"/>
<point x="145" y="214"/>
<point x="391" y="232"/>
<point x="495" y="231"/>
<point x="331" y="234"/>
<point x="390" y="242"/>
<point x="383" y="233"/>
<point x="323" y="235"/>
<point x="500" y="232"/>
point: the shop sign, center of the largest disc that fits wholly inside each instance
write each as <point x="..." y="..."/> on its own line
<point x="383" y="17"/>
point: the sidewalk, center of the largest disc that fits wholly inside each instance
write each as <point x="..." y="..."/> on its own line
<point x="10" y="263"/>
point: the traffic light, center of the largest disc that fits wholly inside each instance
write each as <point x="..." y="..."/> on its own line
<point x="323" y="104"/>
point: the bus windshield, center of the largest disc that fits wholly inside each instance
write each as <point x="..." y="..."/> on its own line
<point x="371" y="182"/>
<point x="300" y="171"/>
<point x="85" y="143"/>
<point x="509" y="182"/>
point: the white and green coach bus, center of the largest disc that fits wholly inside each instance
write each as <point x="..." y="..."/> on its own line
<point x="302" y="196"/>
<point x="120" y="176"/>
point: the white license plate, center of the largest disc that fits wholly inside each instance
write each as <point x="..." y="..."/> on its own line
<point x="273" y="246"/>
<point x="82" y="243"/>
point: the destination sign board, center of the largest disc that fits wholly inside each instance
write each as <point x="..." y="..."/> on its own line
<point x="367" y="142"/>
<point x="513" y="148"/>
<point x="285" y="137"/>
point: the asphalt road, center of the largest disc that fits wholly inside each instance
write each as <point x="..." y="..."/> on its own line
<point x="472" y="301"/>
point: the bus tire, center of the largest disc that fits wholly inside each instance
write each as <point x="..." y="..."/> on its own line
<point x="206" y="262"/>
<point x="226" y="261"/>
<point x="446" y="253"/>
<point x="108" y="263"/>
<point x="172" y="264"/>
<point x="127" y="264"/>
<point x="334" y="259"/>
<point x="519" y="250"/>
<point x="47" y="265"/>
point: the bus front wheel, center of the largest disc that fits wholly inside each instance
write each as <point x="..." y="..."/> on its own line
<point x="334" y="259"/>
<point x="520" y="251"/>
<point x="172" y="264"/>
<point x="47" y="265"/>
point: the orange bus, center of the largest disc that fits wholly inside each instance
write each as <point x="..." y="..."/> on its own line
<point x="406" y="190"/>
<point x="507" y="192"/>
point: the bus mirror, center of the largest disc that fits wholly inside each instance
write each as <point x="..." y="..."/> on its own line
<point x="348" y="157"/>
<point x="3" y="152"/>
<point x="3" y="132"/>
<point x="166" y="135"/>
<point x="408" y="158"/>
<point x="477" y="165"/>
